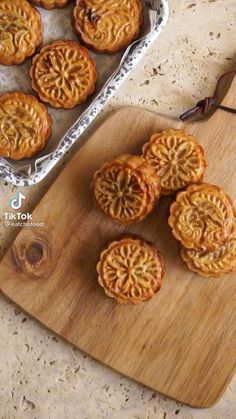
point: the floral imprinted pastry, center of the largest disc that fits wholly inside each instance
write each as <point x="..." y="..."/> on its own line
<point x="202" y="217"/>
<point x="126" y="189"/>
<point x="177" y="158"/>
<point x="20" y="31"/>
<point x="107" y="26"/>
<point x="25" y="126"/>
<point x="131" y="271"/>
<point x="50" y="4"/>
<point x="213" y="264"/>
<point x="63" y="74"/>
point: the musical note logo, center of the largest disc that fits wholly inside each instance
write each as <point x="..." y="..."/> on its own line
<point x="16" y="203"/>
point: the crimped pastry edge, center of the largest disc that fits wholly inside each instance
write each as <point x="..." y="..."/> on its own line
<point x="44" y="98"/>
<point x="58" y="4"/>
<point x="13" y="60"/>
<point x="174" y="205"/>
<point x="181" y="132"/>
<point x="154" y="195"/>
<point x="103" y="50"/>
<point x="47" y="119"/>
<point x="141" y="242"/>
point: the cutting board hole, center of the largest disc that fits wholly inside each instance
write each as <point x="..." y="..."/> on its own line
<point x="34" y="253"/>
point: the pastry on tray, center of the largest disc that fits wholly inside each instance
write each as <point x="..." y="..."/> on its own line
<point x="25" y="126"/>
<point x="202" y="217"/>
<point x="50" y="4"/>
<point x="20" y="31"/>
<point x="63" y="74"/>
<point x="107" y="26"/>
<point x="126" y="189"/>
<point x="217" y="263"/>
<point x="131" y="270"/>
<point x="177" y="158"/>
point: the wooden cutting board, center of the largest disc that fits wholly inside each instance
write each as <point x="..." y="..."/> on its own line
<point x="181" y="343"/>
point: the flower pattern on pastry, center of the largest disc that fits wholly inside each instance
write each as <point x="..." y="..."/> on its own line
<point x="131" y="271"/>
<point x="126" y="189"/>
<point x="213" y="264"/>
<point x="50" y="4"/>
<point x="20" y="31"/>
<point x="25" y="126"/>
<point x="63" y="74"/>
<point x="107" y="25"/>
<point x="202" y="217"/>
<point x="177" y="158"/>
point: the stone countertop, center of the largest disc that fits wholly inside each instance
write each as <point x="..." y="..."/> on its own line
<point x="42" y="376"/>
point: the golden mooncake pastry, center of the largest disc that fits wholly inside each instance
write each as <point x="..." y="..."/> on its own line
<point x="50" y="4"/>
<point x="107" y="26"/>
<point x="20" y="31"/>
<point x="126" y="189"/>
<point x="178" y="159"/>
<point x="63" y="74"/>
<point x="202" y="217"/>
<point x="213" y="264"/>
<point x="25" y="126"/>
<point x="131" y="271"/>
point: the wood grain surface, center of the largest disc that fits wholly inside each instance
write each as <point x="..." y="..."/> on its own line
<point x="183" y="342"/>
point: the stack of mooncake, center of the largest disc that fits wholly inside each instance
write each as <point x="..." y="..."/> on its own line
<point x="203" y="219"/>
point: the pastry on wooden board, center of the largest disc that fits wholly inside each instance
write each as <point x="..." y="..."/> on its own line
<point x="126" y="189"/>
<point x="202" y="217"/>
<point x="107" y="26"/>
<point x="25" y="126"/>
<point x="178" y="159"/>
<point x="20" y="31"/>
<point x="213" y="264"/>
<point x="63" y="74"/>
<point x="131" y="270"/>
<point x="50" y="4"/>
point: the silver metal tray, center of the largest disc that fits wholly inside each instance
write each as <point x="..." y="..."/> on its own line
<point x="69" y="125"/>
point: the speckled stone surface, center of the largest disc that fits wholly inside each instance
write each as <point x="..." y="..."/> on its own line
<point x="43" y="377"/>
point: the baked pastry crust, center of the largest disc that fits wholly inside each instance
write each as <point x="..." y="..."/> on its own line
<point x="213" y="264"/>
<point x="20" y="31"/>
<point x="50" y="4"/>
<point x="131" y="271"/>
<point x="126" y="189"/>
<point x="178" y="159"/>
<point x="107" y="26"/>
<point x="25" y="126"/>
<point x="63" y="74"/>
<point x="202" y="217"/>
